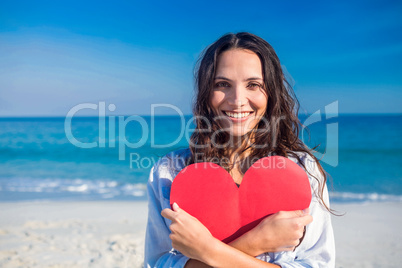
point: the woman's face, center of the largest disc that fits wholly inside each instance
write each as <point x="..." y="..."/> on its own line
<point x="238" y="97"/>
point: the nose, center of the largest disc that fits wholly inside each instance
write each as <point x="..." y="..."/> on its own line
<point x="238" y="96"/>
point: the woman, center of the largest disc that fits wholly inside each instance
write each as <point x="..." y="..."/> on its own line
<point x="244" y="110"/>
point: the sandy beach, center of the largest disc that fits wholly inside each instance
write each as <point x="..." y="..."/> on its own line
<point x="72" y="234"/>
<point x="111" y="234"/>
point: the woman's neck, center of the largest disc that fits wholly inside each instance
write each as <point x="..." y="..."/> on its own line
<point x="236" y="149"/>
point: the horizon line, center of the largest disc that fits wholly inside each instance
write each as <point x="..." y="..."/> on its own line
<point x="162" y="115"/>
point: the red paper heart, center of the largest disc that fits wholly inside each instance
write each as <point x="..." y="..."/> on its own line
<point x="208" y="192"/>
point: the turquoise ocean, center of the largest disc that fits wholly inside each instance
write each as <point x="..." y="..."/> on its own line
<point x="110" y="159"/>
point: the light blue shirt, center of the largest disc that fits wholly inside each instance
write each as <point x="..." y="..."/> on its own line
<point x="316" y="250"/>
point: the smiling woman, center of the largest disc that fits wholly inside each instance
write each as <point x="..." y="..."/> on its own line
<point x="244" y="111"/>
<point x="238" y="96"/>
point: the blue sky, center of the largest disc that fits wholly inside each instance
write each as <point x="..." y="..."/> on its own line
<point x="56" y="55"/>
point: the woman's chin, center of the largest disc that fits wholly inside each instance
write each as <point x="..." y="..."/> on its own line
<point x="238" y="133"/>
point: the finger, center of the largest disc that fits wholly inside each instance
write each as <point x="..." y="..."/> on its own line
<point x="306" y="219"/>
<point x="286" y="214"/>
<point x="299" y="213"/>
<point x="176" y="207"/>
<point x="168" y="213"/>
<point x="292" y="214"/>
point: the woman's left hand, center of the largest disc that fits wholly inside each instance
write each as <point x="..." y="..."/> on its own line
<point x="188" y="234"/>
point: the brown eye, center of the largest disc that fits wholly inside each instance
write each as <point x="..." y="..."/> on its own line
<point x="254" y="86"/>
<point x="222" y="84"/>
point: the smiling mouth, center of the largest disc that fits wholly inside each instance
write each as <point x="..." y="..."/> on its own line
<point x="237" y="115"/>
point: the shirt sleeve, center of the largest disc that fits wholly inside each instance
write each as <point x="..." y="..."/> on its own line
<point x="158" y="246"/>
<point x="317" y="249"/>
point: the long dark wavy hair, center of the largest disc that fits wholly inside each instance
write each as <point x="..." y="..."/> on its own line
<point x="276" y="134"/>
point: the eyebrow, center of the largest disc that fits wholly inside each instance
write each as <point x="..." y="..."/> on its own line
<point x="248" y="79"/>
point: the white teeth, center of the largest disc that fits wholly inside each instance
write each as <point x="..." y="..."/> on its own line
<point x="237" y="115"/>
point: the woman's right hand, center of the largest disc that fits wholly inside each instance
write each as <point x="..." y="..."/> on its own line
<point x="281" y="231"/>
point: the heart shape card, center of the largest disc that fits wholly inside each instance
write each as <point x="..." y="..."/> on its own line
<point x="208" y="192"/>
